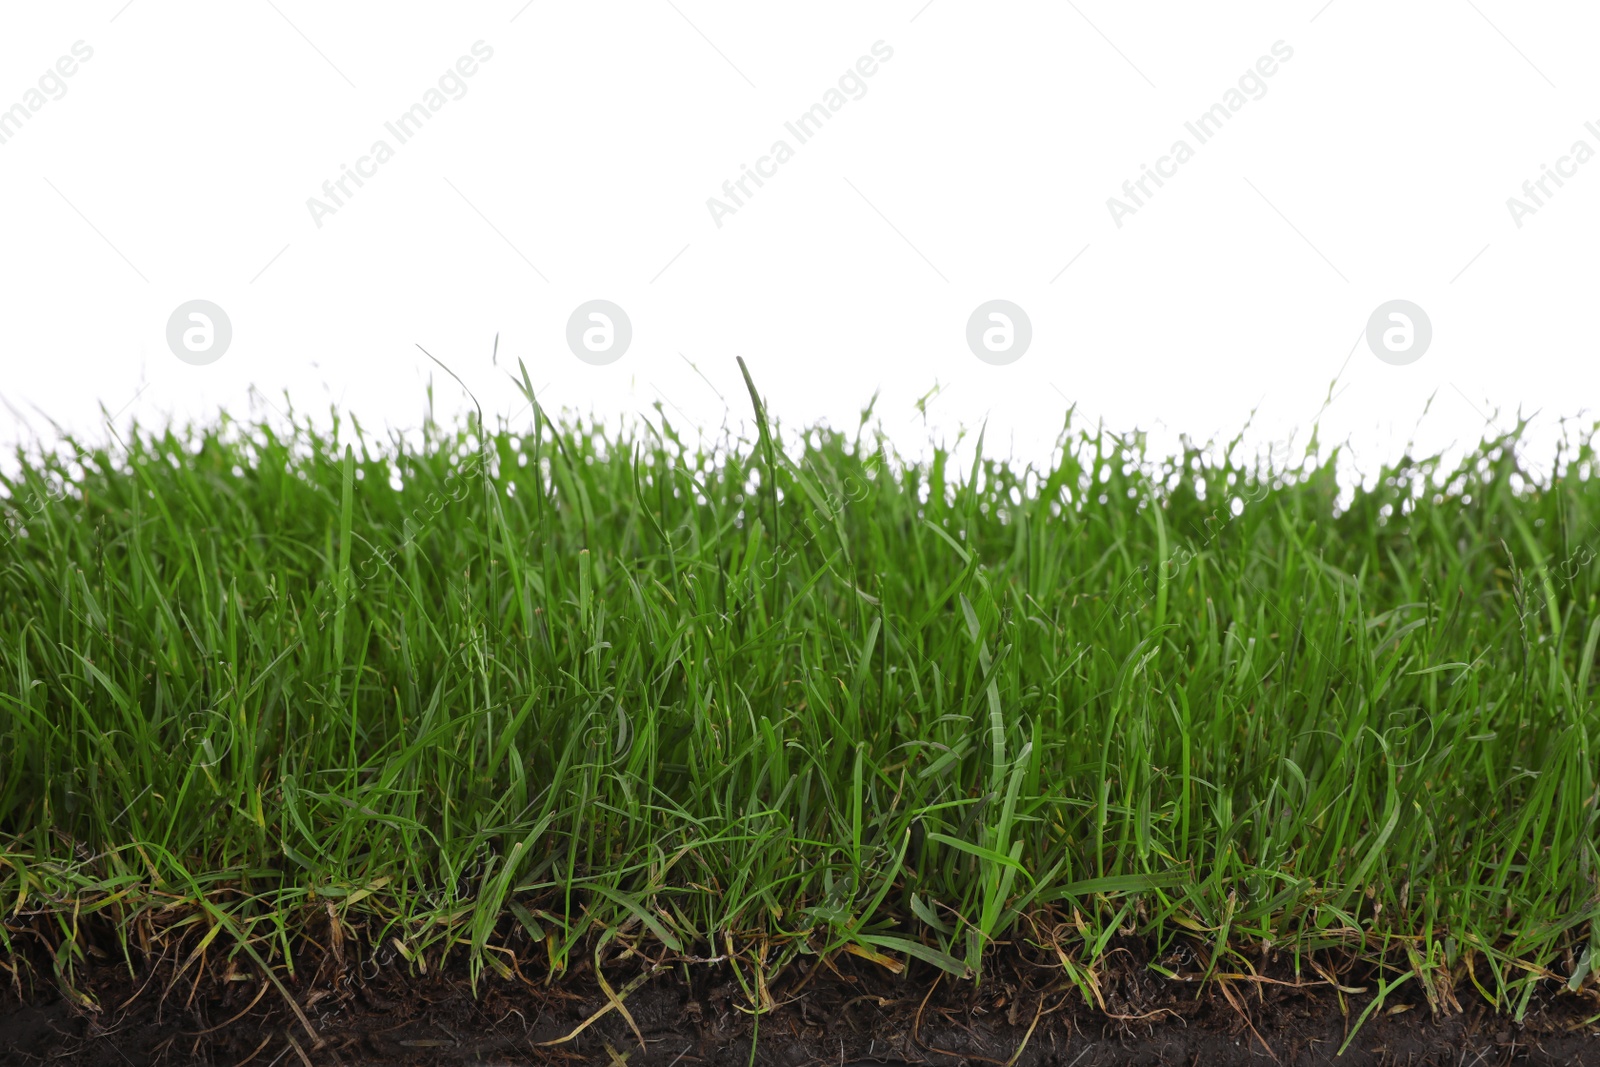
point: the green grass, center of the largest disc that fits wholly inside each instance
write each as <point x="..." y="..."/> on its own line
<point x="488" y="697"/>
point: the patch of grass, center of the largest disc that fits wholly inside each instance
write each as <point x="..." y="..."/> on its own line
<point x="798" y="696"/>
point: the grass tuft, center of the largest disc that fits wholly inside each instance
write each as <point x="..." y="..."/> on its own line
<point x="501" y="692"/>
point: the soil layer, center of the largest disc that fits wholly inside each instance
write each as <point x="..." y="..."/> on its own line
<point x="848" y="1011"/>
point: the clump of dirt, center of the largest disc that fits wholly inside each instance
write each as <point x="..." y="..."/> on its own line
<point x="843" y="1010"/>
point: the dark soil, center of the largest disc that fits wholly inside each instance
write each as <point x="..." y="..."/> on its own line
<point x="852" y="1012"/>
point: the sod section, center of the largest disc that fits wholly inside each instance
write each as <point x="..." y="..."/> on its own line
<point x="499" y="698"/>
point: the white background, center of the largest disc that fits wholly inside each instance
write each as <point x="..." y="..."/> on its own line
<point x="178" y="164"/>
